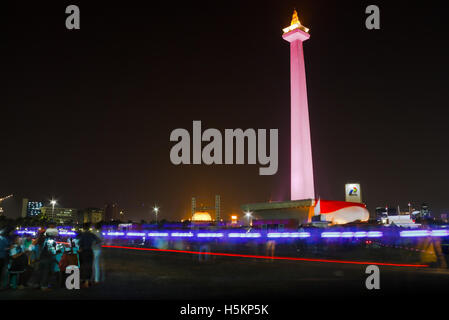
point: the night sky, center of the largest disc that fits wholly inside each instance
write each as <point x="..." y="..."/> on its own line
<point x="86" y="115"/>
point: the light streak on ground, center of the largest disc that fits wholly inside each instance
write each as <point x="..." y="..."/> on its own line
<point x="271" y="258"/>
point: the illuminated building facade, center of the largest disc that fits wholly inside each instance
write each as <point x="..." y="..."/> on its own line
<point x="201" y="216"/>
<point x="60" y="215"/>
<point x="2" y="212"/>
<point x="31" y="208"/>
<point x="90" y="215"/>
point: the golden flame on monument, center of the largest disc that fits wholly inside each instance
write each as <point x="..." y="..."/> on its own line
<point x="295" y="24"/>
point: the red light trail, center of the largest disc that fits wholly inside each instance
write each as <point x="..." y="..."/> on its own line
<point x="272" y="258"/>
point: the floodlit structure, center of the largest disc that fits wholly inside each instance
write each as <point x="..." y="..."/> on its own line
<point x="304" y="207"/>
<point x="302" y="184"/>
<point x="201" y="216"/>
<point x="340" y="212"/>
<point x="60" y="215"/>
<point x="291" y="214"/>
<point x="203" y="209"/>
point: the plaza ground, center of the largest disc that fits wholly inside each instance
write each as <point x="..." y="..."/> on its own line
<point x="132" y="274"/>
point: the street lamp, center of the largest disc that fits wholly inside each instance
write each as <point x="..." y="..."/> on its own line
<point x="248" y="215"/>
<point x="53" y="203"/>
<point x="156" y="211"/>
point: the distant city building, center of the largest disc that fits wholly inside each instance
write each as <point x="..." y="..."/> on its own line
<point x="384" y="212"/>
<point x="31" y="208"/>
<point x="2" y="212"/>
<point x="211" y="211"/>
<point x="425" y="211"/>
<point x="90" y="215"/>
<point x="217" y="207"/>
<point x="394" y="216"/>
<point x="112" y="212"/>
<point x="60" y="215"/>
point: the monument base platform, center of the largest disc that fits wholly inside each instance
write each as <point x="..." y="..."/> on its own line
<point x="300" y="212"/>
<point x="287" y="213"/>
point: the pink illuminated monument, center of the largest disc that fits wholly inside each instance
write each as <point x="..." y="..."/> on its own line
<point x="302" y="186"/>
<point x="303" y="207"/>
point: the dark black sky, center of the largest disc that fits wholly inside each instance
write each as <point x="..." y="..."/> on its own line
<point x="86" y="115"/>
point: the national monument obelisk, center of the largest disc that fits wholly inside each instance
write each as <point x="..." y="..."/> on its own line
<point x="302" y="206"/>
<point x="302" y="185"/>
